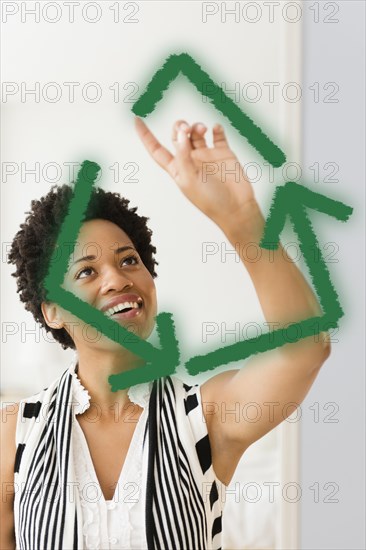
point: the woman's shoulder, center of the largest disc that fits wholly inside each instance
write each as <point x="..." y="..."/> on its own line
<point x="11" y="416"/>
<point x="50" y="388"/>
<point x="184" y="386"/>
<point x="32" y="408"/>
<point x="185" y="391"/>
<point x="187" y="397"/>
<point x="9" y="413"/>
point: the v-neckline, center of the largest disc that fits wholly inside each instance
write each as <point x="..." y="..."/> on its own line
<point x="126" y="464"/>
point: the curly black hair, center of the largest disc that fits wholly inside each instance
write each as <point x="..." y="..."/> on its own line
<point x="32" y="246"/>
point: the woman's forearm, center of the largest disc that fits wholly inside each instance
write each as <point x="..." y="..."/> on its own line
<point x="282" y="290"/>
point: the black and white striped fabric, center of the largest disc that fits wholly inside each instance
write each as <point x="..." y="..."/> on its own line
<point x="183" y="504"/>
<point x="184" y="510"/>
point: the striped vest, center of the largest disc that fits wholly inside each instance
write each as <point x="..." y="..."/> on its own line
<point x="183" y="505"/>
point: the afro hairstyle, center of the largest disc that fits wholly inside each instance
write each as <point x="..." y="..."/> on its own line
<point x="32" y="246"/>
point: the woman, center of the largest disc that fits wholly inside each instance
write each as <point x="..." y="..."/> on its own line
<point x="150" y="436"/>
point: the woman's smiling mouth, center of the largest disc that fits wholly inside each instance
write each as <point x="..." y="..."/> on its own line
<point x="126" y="306"/>
<point x="127" y="310"/>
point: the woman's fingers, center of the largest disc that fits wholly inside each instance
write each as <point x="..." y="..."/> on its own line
<point x="186" y="170"/>
<point x="198" y="135"/>
<point x="219" y="138"/>
<point x="179" y="124"/>
<point x="195" y="133"/>
<point x="189" y="142"/>
<point x="160" y="154"/>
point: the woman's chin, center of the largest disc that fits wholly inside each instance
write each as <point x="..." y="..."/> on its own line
<point x="134" y="335"/>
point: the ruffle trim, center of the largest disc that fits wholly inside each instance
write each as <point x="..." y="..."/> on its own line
<point x="139" y="394"/>
<point x="81" y="397"/>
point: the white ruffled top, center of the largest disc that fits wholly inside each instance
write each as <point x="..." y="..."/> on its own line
<point x="120" y="522"/>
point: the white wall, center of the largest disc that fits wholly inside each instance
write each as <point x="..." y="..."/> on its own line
<point x="64" y="132"/>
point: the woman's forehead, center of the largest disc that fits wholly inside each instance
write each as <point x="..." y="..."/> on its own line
<point x="102" y="232"/>
<point x="98" y="238"/>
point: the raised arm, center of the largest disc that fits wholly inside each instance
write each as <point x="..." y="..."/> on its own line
<point x="275" y="382"/>
<point x="273" y="379"/>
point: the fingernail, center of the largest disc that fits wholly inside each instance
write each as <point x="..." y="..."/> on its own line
<point x="183" y="126"/>
<point x="181" y="136"/>
<point x="201" y="126"/>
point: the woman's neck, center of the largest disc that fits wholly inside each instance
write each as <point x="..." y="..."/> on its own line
<point x="94" y="369"/>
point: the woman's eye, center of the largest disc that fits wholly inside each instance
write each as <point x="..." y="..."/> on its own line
<point x="83" y="271"/>
<point x="130" y="260"/>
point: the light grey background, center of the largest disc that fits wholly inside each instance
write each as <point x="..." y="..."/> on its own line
<point x="335" y="132"/>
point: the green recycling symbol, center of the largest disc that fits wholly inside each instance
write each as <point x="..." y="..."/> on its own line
<point x="290" y="200"/>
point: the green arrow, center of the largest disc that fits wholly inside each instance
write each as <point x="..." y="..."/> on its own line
<point x="159" y="362"/>
<point x="289" y="200"/>
<point x="185" y="64"/>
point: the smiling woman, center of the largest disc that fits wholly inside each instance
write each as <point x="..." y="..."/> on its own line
<point x="114" y="280"/>
<point x="33" y="245"/>
<point x="175" y="455"/>
<point x="112" y="268"/>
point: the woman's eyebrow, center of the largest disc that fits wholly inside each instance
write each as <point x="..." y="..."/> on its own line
<point x="90" y="258"/>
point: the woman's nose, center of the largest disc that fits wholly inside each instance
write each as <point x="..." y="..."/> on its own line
<point x="115" y="280"/>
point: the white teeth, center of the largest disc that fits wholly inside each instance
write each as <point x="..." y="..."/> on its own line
<point x="121" y="307"/>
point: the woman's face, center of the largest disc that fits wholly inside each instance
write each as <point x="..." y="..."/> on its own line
<point x="106" y="271"/>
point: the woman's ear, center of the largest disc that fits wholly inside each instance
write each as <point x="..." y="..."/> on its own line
<point x="51" y="315"/>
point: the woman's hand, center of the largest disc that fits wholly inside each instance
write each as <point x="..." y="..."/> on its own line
<point x="211" y="178"/>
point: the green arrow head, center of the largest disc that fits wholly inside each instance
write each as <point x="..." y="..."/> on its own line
<point x="164" y="363"/>
<point x="205" y="85"/>
<point x="290" y="199"/>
